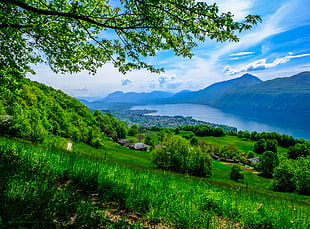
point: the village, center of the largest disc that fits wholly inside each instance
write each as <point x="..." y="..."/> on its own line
<point x="144" y="118"/>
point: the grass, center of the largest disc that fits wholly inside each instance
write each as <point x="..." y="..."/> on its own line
<point x="220" y="174"/>
<point x="55" y="188"/>
<point x="244" y="145"/>
<point x="112" y="150"/>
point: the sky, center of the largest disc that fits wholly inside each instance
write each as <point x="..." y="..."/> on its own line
<point x="277" y="47"/>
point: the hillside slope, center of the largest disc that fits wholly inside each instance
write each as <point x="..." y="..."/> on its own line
<point x="34" y="111"/>
<point x="211" y="94"/>
<point x="290" y="94"/>
<point x="131" y="98"/>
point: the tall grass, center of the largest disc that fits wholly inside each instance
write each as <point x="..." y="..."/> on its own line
<point x="41" y="187"/>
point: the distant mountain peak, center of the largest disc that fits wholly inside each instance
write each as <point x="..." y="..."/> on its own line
<point x="247" y="75"/>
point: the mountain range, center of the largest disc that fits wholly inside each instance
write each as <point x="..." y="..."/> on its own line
<point x="248" y="92"/>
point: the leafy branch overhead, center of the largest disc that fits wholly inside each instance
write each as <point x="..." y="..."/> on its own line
<point x="75" y="35"/>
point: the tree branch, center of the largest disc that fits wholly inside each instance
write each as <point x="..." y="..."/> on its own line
<point x="16" y="26"/>
<point x="69" y="15"/>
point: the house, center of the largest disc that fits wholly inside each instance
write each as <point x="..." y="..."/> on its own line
<point x="254" y="160"/>
<point x="139" y="146"/>
<point x="124" y="142"/>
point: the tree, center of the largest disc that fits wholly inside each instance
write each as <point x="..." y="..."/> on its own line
<point x="133" y="130"/>
<point x="272" y="145"/>
<point x="72" y="35"/>
<point x="250" y="154"/>
<point x="178" y="155"/>
<point x="293" y="176"/>
<point x="268" y="161"/>
<point x="235" y="173"/>
<point x="298" y="150"/>
<point x="284" y="178"/>
<point x="194" y="141"/>
<point x="260" y="146"/>
<point x="148" y="140"/>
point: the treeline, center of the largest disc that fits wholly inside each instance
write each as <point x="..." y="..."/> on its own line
<point x="33" y="111"/>
<point x="283" y="140"/>
<point x="291" y="172"/>
<point x="203" y="130"/>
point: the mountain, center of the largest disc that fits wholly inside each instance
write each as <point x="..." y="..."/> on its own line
<point x="211" y="94"/>
<point x="35" y="111"/>
<point x="289" y="94"/>
<point x="129" y="98"/>
<point x="136" y="98"/>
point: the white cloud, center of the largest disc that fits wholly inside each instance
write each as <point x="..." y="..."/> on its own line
<point x="278" y="22"/>
<point x="170" y="82"/>
<point x="261" y="64"/>
<point x="242" y="53"/>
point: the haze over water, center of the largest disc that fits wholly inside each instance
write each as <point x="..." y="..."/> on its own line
<point x="296" y="125"/>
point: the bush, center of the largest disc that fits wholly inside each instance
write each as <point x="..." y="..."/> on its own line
<point x="268" y="161"/>
<point x="293" y="176"/>
<point x="284" y="177"/>
<point x="298" y="150"/>
<point x="235" y="173"/>
<point x="176" y="154"/>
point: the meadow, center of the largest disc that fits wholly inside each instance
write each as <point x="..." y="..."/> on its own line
<point x="46" y="186"/>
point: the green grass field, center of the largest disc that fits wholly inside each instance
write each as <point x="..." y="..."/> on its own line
<point x="118" y="188"/>
<point x="244" y="145"/>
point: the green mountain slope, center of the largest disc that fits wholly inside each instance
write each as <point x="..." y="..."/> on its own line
<point x="290" y="94"/>
<point x="211" y="94"/>
<point x="33" y="110"/>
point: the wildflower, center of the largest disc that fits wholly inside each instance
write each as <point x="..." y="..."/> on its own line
<point x="292" y="221"/>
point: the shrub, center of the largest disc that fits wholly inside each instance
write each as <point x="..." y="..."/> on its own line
<point x="268" y="161"/>
<point x="235" y="173"/>
<point x="178" y="155"/>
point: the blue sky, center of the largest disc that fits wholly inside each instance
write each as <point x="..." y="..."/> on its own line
<point x="278" y="47"/>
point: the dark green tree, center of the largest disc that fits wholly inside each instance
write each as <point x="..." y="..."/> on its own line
<point x="267" y="162"/>
<point x="250" y="154"/>
<point x="298" y="150"/>
<point x="235" y="173"/>
<point x="70" y="36"/>
<point x="271" y="145"/>
<point x="293" y="176"/>
<point x="284" y="178"/>
<point x="260" y="146"/>
<point x="133" y="130"/>
<point x="148" y="140"/>
<point x="194" y="141"/>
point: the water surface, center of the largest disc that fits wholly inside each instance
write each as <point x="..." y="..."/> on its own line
<point x="296" y="125"/>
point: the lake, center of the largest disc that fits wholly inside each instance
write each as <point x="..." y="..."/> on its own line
<point x="296" y="125"/>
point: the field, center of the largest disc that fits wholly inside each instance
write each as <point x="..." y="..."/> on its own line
<point x="117" y="188"/>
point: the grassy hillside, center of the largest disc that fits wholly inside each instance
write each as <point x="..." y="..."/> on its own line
<point x="53" y="188"/>
<point x="100" y="184"/>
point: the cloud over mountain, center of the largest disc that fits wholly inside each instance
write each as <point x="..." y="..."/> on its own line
<point x="260" y="64"/>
